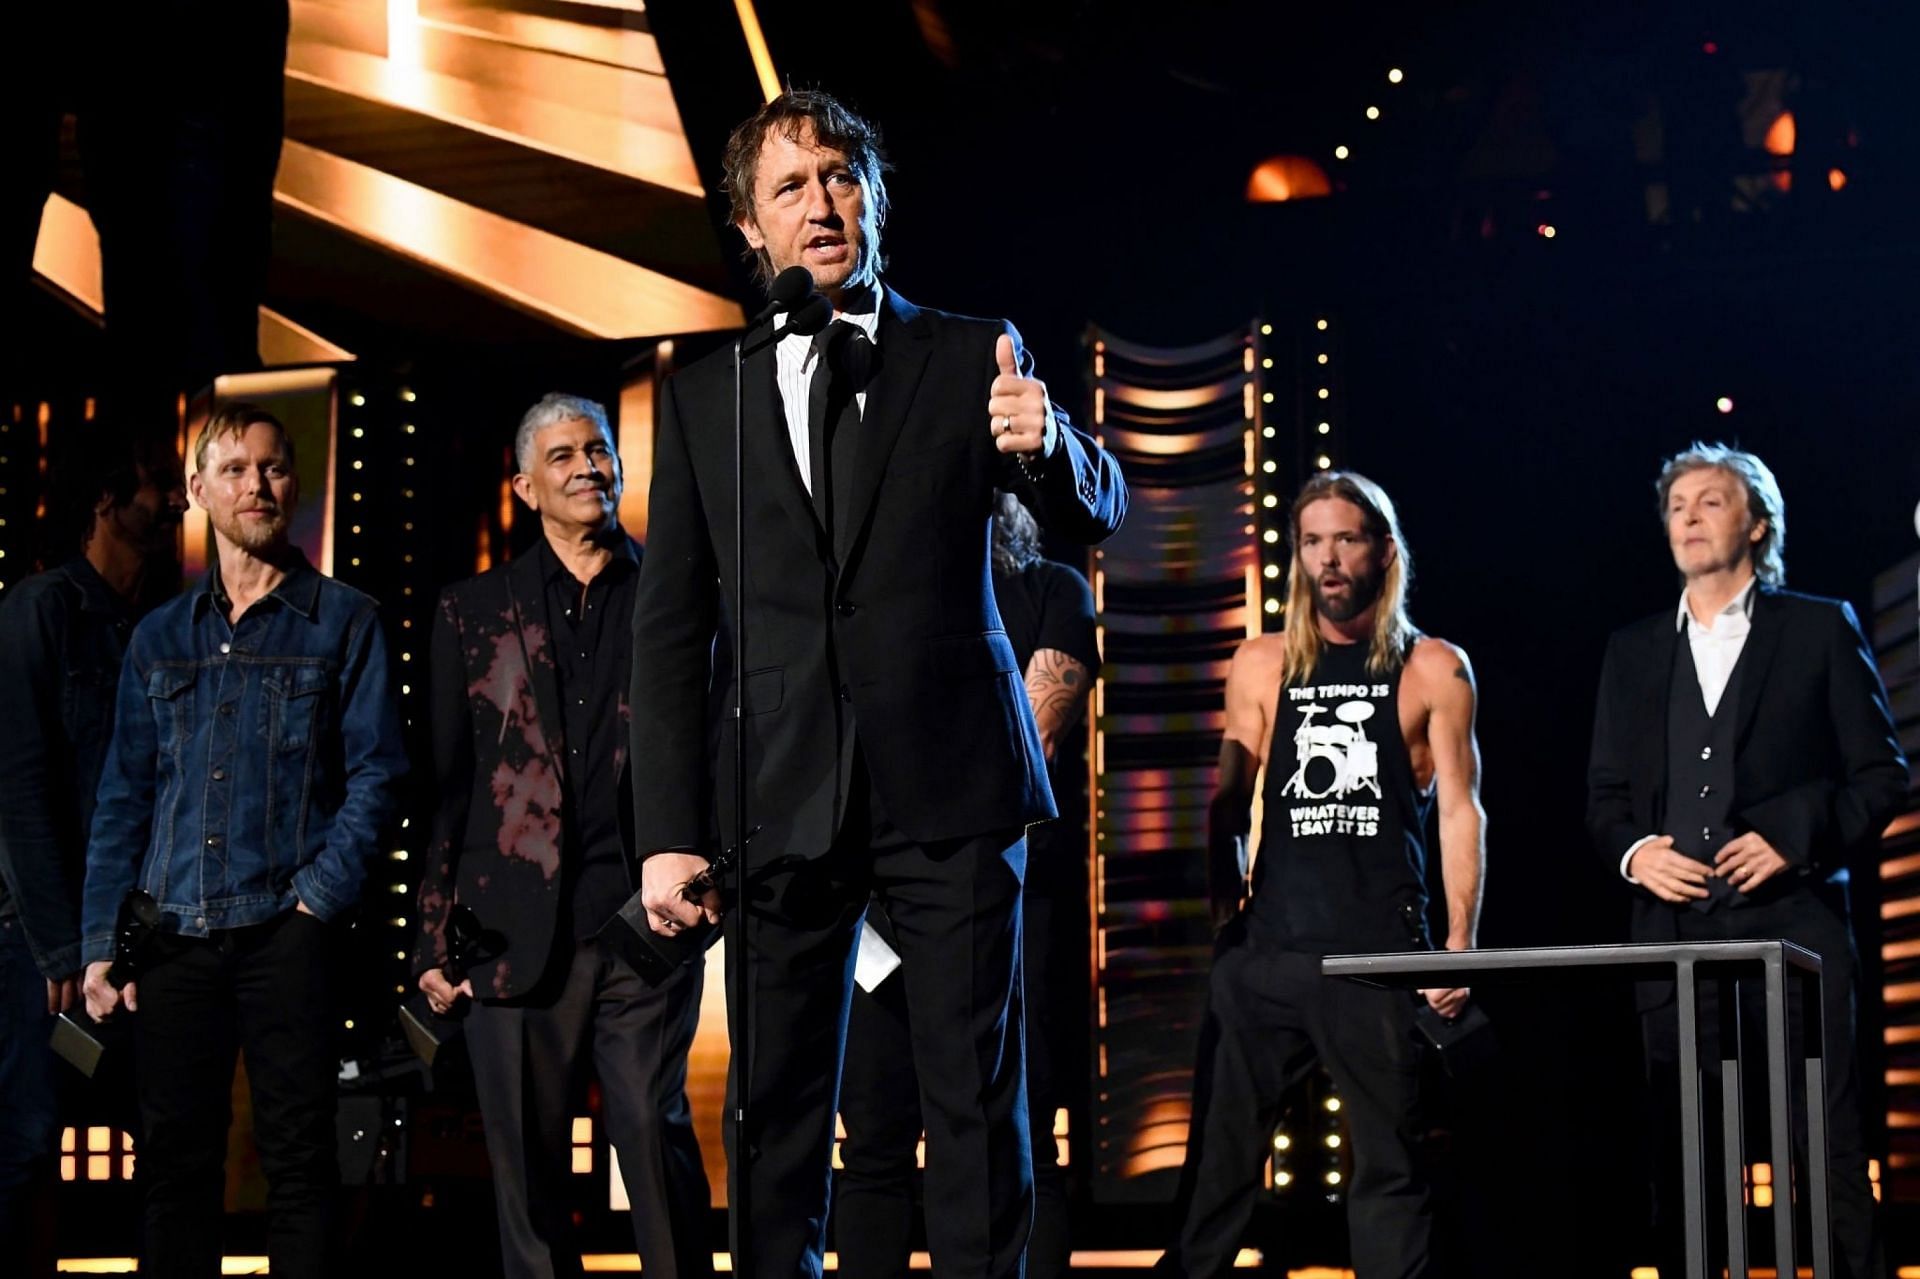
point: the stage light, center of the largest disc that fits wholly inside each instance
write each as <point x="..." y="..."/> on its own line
<point x="1724" y="404"/>
<point x="408" y="395"/>
<point x="1547" y="230"/>
<point x="1333" y="1179"/>
<point x="1394" y="76"/>
<point x="1270" y="536"/>
<point x="1273" y="606"/>
<point x="1325" y="428"/>
<point x="1320" y="358"/>
<point x="359" y="432"/>
<point x="358" y="464"/>
<point x="1323" y="393"/>
<point x="1333" y="1141"/>
<point x="1266" y="432"/>
<point x="1341" y="153"/>
<point x="1269" y="466"/>
<point x="1266" y="330"/>
<point x="1782" y="135"/>
<point x="1836" y="179"/>
<point x="397" y="855"/>
<point x="349" y="1023"/>
<point x="356" y="399"/>
<point x="1321" y="325"/>
<point x="1283" y="1179"/>
<point x="1323" y="461"/>
<point x="1373" y="113"/>
<point x="1266" y="397"/>
<point x="1282" y="1142"/>
<point x="1267" y="363"/>
<point x="1332" y="1103"/>
<point x="1269" y="501"/>
<point x="1271" y="570"/>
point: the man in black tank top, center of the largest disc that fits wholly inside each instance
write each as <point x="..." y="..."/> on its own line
<point x="1361" y="723"/>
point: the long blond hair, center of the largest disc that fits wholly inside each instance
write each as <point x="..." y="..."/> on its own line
<point x="1393" y="631"/>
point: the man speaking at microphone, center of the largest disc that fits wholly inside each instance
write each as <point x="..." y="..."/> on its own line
<point x="889" y="747"/>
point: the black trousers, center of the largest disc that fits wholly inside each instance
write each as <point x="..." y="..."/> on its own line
<point x="955" y="909"/>
<point x="1270" y="1017"/>
<point x="1805" y="920"/>
<point x="265" y="991"/>
<point x="880" y="1109"/>
<point x="529" y="1063"/>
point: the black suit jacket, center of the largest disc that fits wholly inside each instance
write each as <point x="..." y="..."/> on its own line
<point x="1817" y="768"/>
<point x="498" y="751"/>
<point x="892" y="627"/>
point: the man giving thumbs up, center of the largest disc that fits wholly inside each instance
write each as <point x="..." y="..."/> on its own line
<point x="890" y="751"/>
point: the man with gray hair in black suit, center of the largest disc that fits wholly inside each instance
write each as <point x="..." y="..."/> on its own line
<point x="1744" y="755"/>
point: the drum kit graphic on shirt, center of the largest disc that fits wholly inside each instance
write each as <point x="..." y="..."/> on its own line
<point x="1334" y="760"/>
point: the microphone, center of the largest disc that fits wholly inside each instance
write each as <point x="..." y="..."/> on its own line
<point x="790" y="288"/>
<point x="810" y="316"/>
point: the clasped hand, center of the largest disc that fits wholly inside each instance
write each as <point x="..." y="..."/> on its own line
<point x="1746" y="861"/>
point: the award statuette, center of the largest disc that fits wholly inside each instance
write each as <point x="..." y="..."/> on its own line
<point x="656" y="956"/>
<point x="76" y="1036"/>
<point x="467" y="944"/>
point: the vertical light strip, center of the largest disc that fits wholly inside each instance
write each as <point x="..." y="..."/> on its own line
<point x="757" y="47"/>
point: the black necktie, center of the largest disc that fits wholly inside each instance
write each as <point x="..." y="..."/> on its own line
<point x="844" y="362"/>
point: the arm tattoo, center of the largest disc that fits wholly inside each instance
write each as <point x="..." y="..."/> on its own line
<point x="1463" y="674"/>
<point x="1057" y="686"/>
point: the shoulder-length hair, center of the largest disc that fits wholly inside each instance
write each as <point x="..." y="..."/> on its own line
<point x="1393" y="630"/>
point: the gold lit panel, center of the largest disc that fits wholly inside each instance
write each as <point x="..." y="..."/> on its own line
<point x="67" y="256"/>
<point x="580" y="290"/>
<point x="1895" y="631"/>
<point x="650" y="152"/>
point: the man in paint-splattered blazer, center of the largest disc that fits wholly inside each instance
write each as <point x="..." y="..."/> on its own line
<point x="533" y="832"/>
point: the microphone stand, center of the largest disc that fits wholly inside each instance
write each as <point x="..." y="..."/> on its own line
<point x="809" y="314"/>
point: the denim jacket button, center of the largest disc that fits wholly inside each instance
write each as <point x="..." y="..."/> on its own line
<point x="226" y="648"/>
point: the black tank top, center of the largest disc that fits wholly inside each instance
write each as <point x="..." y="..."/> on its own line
<point x="1342" y="859"/>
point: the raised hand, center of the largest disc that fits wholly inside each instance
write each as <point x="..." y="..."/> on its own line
<point x="1018" y="412"/>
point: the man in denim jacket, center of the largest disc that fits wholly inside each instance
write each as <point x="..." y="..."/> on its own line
<point x="62" y="636"/>
<point x="253" y="767"/>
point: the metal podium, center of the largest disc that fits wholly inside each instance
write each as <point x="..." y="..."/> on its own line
<point x="1727" y="964"/>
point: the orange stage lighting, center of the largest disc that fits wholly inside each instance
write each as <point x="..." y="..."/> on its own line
<point x="1287" y="177"/>
<point x="1781" y="135"/>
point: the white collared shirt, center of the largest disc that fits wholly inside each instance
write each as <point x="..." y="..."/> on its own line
<point x="1716" y="647"/>
<point x="795" y="359"/>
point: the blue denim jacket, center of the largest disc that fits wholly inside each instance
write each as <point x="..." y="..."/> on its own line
<point x="62" y="635"/>
<point x="253" y="765"/>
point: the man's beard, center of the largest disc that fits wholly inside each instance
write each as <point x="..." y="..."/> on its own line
<point x="1363" y="591"/>
<point x="259" y="535"/>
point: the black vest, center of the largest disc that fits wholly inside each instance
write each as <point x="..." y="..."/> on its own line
<point x="1700" y="769"/>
